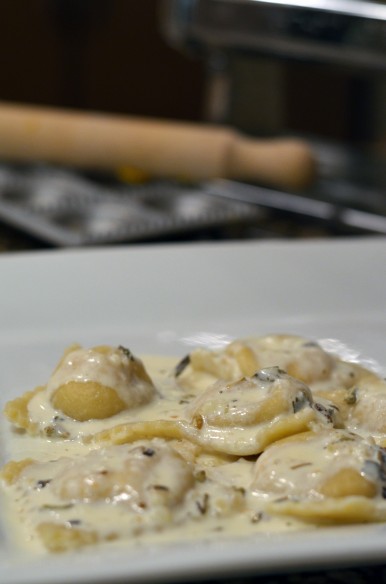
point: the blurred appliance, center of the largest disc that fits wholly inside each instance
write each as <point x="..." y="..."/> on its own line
<point x="349" y="31"/>
<point x="336" y="50"/>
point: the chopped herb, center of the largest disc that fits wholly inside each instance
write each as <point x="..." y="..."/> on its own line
<point x="159" y="487"/>
<point x="181" y="366"/>
<point x="198" y="422"/>
<point x="56" y="431"/>
<point x="200" y="476"/>
<point x="240" y="490"/>
<point x="57" y="507"/>
<point x="74" y="522"/>
<point x="126" y="352"/>
<point x="257" y="517"/>
<point x="300" y="465"/>
<point x="281" y="500"/>
<point x="352" y="397"/>
<point x="270" y="374"/>
<point x="382" y="463"/>
<point x="347" y="438"/>
<point x="42" y="483"/>
<point x="202" y="505"/>
<point x="300" y="401"/>
<point x="148" y="452"/>
<point x="327" y="411"/>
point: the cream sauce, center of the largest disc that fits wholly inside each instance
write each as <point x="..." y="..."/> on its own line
<point x="106" y="490"/>
<point x="221" y="505"/>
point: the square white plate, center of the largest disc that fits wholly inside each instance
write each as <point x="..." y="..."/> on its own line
<point x="166" y="299"/>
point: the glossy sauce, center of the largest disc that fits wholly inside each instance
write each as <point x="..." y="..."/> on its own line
<point x="201" y="495"/>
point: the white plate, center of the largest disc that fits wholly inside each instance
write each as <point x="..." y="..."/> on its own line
<point x="166" y="299"/>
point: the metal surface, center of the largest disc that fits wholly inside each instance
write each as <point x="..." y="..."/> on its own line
<point x="64" y="208"/>
<point x="338" y="31"/>
<point x="324" y="212"/>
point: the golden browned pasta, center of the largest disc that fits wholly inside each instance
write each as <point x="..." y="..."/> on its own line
<point x="17" y="411"/>
<point x="243" y="417"/>
<point x="333" y="476"/>
<point x="87" y="384"/>
<point x="299" y="357"/>
<point x="132" y="431"/>
<point x="10" y="472"/>
<point x="64" y="538"/>
<point x="98" y="383"/>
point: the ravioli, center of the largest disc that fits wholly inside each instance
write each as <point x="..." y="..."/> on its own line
<point x="87" y="384"/>
<point x="327" y="476"/>
<point x="299" y="357"/>
<point x="368" y="410"/>
<point x="67" y="499"/>
<point x="113" y="493"/>
<point x="327" y="376"/>
<point x="239" y="418"/>
<point x="269" y="431"/>
<point x="243" y="417"/>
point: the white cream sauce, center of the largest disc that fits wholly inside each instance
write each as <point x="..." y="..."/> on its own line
<point x="221" y="505"/>
<point x="214" y="496"/>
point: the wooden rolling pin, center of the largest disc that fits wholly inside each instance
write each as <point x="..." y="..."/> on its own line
<point x="158" y="148"/>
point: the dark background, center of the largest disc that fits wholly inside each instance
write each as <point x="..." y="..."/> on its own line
<point x="109" y="55"/>
<point x="95" y="54"/>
